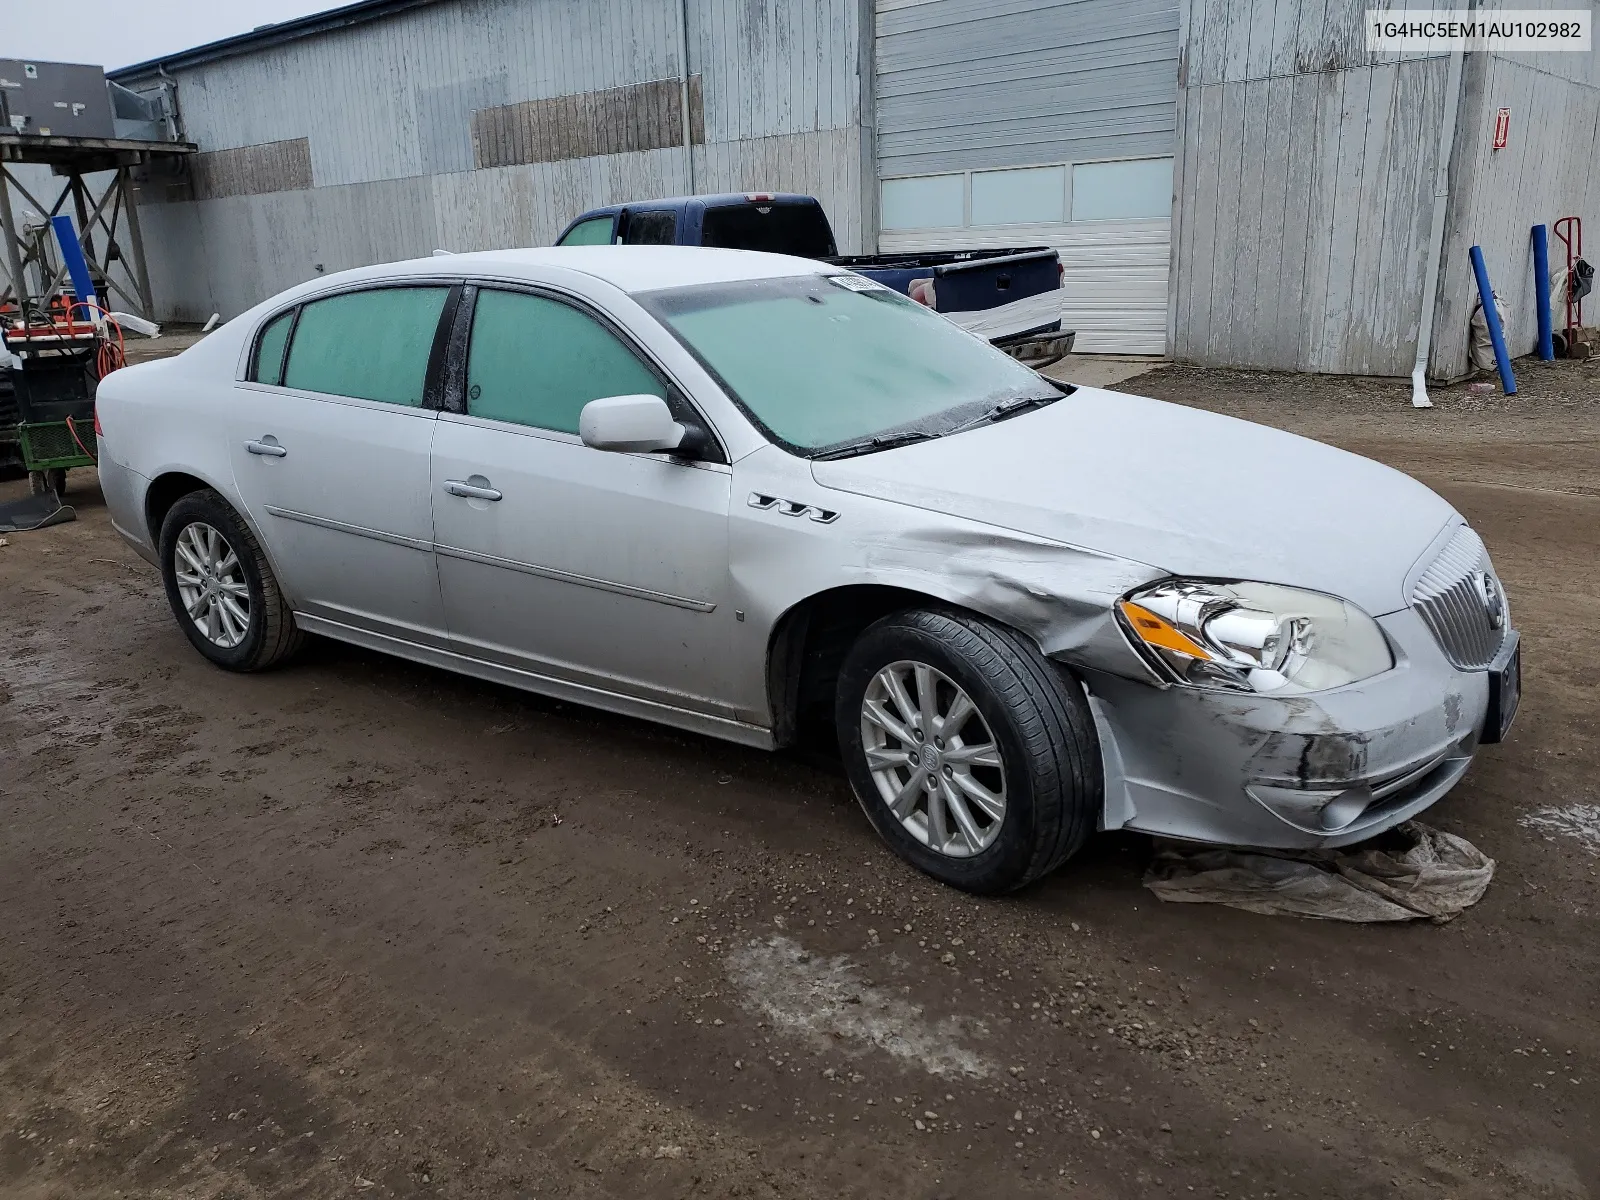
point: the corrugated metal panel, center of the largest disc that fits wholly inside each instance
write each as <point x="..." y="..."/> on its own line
<point x="444" y="120"/>
<point x="226" y="255"/>
<point x="1114" y="282"/>
<point x="1304" y="189"/>
<point x="991" y="83"/>
<point x="978" y="84"/>
<point x="1546" y="171"/>
<point x="386" y="109"/>
<point x="1305" y="179"/>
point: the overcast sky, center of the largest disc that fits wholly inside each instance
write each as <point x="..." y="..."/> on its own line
<point x="115" y="33"/>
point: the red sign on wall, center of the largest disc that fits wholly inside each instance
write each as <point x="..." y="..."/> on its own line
<point x="1502" y="128"/>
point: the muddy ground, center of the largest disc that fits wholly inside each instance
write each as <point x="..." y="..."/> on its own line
<point x="358" y="927"/>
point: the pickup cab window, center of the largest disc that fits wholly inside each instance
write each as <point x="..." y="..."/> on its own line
<point x="596" y="231"/>
<point x="659" y="228"/>
<point x="798" y="229"/>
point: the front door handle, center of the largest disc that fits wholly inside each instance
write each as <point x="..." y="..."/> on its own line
<point x="472" y="491"/>
<point x="269" y="447"/>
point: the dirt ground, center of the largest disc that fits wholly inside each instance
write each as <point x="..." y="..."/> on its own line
<point x="359" y="927"/>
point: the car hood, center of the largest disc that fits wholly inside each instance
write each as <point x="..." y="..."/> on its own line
<point x="1175" y="488"/>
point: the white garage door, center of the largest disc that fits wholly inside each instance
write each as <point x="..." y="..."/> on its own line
<point x="1037" y="122"/>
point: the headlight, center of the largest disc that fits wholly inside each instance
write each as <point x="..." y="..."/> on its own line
<point x="1255" y="637"/>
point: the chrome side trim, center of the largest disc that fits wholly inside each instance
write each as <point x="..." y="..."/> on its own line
<point x="377" y="535"/>
<point x="559" y="689"/>
<point x="792" y="508"/>
<point x="604" y="585"/>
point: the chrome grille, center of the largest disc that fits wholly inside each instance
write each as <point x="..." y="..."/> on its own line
<point x="1450" y="596"/>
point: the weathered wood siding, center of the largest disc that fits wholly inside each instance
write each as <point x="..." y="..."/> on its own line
<point x="1304" y="187"/>
<point x="640" y="116"/>
<point x="251" y="170"/>
<point x="388" y="110"/>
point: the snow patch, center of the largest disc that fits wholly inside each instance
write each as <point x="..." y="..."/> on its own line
<point x="828" y="998"/>
<point x="1579" y="821"/>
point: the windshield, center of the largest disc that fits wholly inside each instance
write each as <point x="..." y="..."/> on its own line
<point x="799" y="229"/>
<point x="821" y="361"/>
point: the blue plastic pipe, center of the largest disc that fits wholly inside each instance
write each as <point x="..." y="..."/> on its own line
<point x="1491" y="315"/>
<point x="1541" y="290"/>
<point x="77" y="267"/>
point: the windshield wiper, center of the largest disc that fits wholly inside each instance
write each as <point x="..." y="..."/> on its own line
<point x="1003" y="410"/>
<point x="883" y="441"/>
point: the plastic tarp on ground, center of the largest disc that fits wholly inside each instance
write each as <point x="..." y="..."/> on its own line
<point x="34" y="512"/>
<point x="1411" y="872"/>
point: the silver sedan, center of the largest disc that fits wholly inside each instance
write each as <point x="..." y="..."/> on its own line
<point x="762" y="499"/>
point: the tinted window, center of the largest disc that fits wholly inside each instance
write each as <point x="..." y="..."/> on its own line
<point x="819" y="362"/>
<point x="372" y="345"/>
<point x="268" y="366"/>
<point x="594" y="232"/>
<point x="776" y="228"/>
<point x="650" y="229"/>
<point x="537" y="362"/>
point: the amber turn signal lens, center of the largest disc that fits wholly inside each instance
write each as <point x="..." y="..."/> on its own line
<point x="1159" y="632"/>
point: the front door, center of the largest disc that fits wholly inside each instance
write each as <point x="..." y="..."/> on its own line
<point x="330" y="446"/>
<point x="601" y="569"/>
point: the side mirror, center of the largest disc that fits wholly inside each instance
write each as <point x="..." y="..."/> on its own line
<point x="630" y="425"/>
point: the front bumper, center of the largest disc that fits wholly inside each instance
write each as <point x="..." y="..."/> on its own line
<point x="1295" y="772"/>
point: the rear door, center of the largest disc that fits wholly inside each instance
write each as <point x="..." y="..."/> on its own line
<point x="601" y="569"/>
<point x="330" y="439"/>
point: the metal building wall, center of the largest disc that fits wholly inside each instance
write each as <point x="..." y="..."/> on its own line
<point x="1305" y="178"/>
<point x="386" y="108"/>
<point x="973" y="85"/>
<point x="1550" y="168"/>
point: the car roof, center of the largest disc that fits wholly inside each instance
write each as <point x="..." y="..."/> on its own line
<point x="710" y="200"/>
<point x="630" y="268"/>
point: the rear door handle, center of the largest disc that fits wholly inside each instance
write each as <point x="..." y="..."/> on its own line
<point x="472" y="491"/>
<point x="271" y="449"/>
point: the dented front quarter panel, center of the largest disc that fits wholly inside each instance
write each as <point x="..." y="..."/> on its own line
<point x="1177" y="760"/>
<point x="1057" y="594"/>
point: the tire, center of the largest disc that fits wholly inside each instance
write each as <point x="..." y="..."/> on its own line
<point x="56" y="480"/>
<point x="1031" y="716"/>
<point x="39" y="482"/>
<point x="269" y="635"/>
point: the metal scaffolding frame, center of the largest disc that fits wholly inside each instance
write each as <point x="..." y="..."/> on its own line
<point x="86" y="166"/>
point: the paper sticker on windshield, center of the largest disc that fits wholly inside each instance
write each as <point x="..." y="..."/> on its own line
<point x="855" y="283"/>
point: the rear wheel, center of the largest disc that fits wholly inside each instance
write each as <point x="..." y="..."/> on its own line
<point x="974" y="756"/>
<point x="221" y="587"/>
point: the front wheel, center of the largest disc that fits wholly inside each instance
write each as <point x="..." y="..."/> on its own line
<point x="221" y="586"/>
<point x="974" y="756"/>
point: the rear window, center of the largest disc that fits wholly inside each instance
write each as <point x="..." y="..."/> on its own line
<point x="372" y="345"/>
<point x="799" y="229"/>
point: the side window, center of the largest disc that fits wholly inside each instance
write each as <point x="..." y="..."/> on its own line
<point x="536" y="361"/>
<point x="650" y="229"/>
<point x="594" y="232"/>
<point x="371" y="345"/>
<point x="268" y="364"/>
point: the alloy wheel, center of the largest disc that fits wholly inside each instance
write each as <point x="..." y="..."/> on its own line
<point x="933" y="758"/>
<point x="211" y="584"/>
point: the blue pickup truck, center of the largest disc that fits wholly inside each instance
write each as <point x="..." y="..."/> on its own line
<point x="1010" y="296"/>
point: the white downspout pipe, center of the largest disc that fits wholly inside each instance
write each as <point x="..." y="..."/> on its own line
<point x="1441" y="203"/>
<point x="688" y="123"/>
